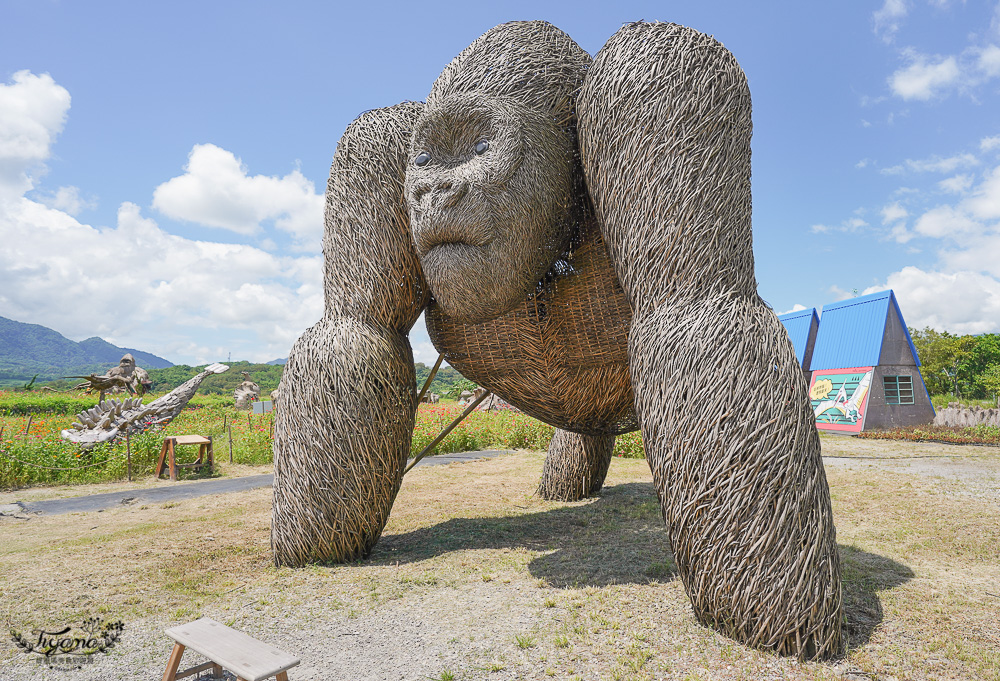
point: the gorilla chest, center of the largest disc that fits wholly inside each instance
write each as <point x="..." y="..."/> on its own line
<point x="561" y="355"/>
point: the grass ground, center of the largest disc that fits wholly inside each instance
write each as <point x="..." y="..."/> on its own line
<point x="478" y="578"/>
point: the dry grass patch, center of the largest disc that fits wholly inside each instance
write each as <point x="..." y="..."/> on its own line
<point x="479" y="578"/>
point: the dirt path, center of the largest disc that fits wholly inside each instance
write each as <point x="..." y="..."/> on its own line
<point x="184" y="490"/>
<point x="955" y="469"/>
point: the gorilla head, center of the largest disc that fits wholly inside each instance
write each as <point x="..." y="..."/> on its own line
<point x="490" y="192"/>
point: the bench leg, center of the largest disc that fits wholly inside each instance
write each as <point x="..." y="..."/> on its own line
<point x="282" y="676"/>
<point x="211" y="457"/>
<point x="172" y="454"/>
<point x="162" y="461"/>
<point x="217" y="670"/>
<point x="173" y="663"/>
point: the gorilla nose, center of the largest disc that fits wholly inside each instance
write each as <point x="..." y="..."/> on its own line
<point x="441" y="194"/>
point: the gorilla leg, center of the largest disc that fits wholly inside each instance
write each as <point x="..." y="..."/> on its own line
<point x="664" y="129"/>
<point x="347" y="400"/>
<point x="342" y="433"/>
<point x="735" y="458"/>
<point x="575" y="466"/>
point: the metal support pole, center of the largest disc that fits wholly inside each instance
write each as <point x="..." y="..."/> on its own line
<point x="444" y="433"/>
<point x="430" y="377"/>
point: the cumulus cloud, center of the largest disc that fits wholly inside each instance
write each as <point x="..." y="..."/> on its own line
<point x="32" y="113"/>
<point x="960" y="302"/>
<point x="137" y="281"/>
<point x="893" y="213"/>
<point x="925" y="77"/>
<point x="984" y="201"/>
<point x="795" y="308"/>
<point x="989" y="61"/>
<point x="944" y="221"/>
<point x="216" y="191"/>
<point x="136" y="284"/>
<point x="959" y="184"/>
<point x="989" y="143"/>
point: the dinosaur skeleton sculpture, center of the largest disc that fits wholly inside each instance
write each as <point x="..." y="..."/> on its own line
<point x="111" y="418"/>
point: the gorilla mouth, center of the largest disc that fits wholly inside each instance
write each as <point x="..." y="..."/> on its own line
<point x="452" y="247"/>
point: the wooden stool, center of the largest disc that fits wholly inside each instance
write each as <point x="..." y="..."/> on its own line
<point x="248" y="658"/>
<point x="168" y="457"/>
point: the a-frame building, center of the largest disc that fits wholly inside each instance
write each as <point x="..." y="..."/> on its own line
<point x="802" y="327"/>
<point x="864" y="367"/>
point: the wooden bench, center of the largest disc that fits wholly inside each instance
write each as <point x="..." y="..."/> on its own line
<point x="168" y="455"/>
<point x="248" y="658"/>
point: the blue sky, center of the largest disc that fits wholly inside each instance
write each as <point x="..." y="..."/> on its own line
<point x="162" y="165"/>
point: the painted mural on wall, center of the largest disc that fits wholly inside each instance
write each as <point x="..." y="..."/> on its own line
<point x="840" y="398"/>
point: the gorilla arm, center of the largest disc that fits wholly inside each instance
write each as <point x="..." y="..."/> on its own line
<point x="347" y="403"/>
<point x="664" y="126"/>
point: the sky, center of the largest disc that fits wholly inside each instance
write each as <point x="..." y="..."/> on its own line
<point x="162" y="165"/>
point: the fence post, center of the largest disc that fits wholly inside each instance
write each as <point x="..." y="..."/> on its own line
<point x="128" y="453"/>
<point x="28" y="427"/>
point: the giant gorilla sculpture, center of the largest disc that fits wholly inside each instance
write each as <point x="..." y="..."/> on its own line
<point x="578" y="232"/>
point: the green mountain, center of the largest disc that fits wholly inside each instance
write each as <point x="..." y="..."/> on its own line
<point x="29" y="349"/>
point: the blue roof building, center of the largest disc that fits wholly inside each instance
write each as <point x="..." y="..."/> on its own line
<point x="861" y="365"/>
<point x="801" y="327"/>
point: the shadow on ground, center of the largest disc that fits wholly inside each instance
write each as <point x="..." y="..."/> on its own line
<point x="616" y="538"/>
<point x="864" y="575"/>
<point x="619" y="538"/>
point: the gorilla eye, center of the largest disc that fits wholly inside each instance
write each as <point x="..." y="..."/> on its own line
<point x="482" y="146"/>
<point x="422" y="159"/>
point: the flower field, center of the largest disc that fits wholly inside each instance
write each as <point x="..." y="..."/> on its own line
<point x="968" y="435"/>
<point x="32" y="453"/>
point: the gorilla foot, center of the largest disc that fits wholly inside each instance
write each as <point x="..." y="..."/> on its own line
<point x="576" y="465"/>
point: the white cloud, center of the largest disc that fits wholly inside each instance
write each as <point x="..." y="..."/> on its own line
<point x="863" y="163"/>
<point x="989" y="61"/>
<point x="959" y="184"/>
<point x="840" y="294"/>
<point x="923" y="78"/>
<point x="945" y="221"/>
<point x="848" y="225"/>
<point x="32" y="113"/>
<point x="216" y="191"/>
<point x="960" y="302"/>
<point x="137" y="282"/>
<point x="934" y="164"/>
<point x="888" y="19"/>
<point x="893" y="213"/>
<point x="989" y="143"/>
<point x="984" y="202"/>
<point x="67" y="199"/>
<point x="795" y="308"/>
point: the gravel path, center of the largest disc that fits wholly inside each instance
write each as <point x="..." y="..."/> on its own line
<point x="187" y="490"/>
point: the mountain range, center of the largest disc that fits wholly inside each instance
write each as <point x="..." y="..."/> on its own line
<point x="29" y="349"/>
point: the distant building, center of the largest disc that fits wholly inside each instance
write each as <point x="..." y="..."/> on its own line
<point x="862" y="366"/>
<point x="802" y="327"/>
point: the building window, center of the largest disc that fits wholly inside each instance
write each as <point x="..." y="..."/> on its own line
<point x="898" y="389"/>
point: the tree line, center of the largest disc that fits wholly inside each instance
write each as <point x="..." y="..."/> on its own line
<point x="964" y="366"/>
